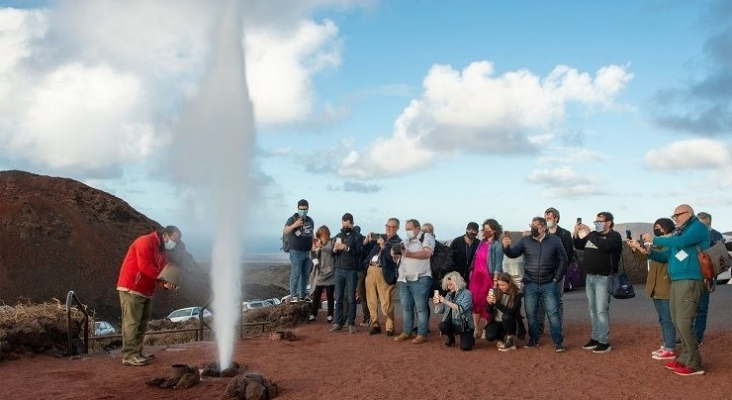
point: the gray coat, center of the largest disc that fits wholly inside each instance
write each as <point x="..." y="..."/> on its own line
<point x="323" y="274"/>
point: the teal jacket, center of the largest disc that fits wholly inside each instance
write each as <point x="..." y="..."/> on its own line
<point x="692" y="235"/>
<point x="495" y="259"/>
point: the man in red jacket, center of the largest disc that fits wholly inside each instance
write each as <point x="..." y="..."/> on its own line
<point x="136" y="285"/>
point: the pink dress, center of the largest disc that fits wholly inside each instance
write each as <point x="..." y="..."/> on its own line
<point x="481" y="280"/>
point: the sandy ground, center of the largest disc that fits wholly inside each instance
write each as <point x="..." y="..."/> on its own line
<point x="323" y="365"/>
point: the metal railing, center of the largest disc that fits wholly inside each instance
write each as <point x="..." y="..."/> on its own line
<point x="199" y="331"/>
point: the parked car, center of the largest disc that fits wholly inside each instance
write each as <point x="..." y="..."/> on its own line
<point x="726" y="275"/>
<point x="256" y="303"/>
<point x="275" y="301"/>
<point x="103" y="328"/>
<point x="184" y="314"/>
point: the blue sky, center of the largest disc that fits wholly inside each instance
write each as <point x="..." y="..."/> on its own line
<point x="446" y="112"/>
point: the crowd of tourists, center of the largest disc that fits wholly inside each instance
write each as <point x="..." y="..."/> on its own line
<point x="479" y="300"/>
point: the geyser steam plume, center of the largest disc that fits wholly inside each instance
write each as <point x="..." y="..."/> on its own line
<point x="217" y="134"/>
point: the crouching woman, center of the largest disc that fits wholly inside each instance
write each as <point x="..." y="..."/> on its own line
<point x="457" y="307"/>
<point x="504" y="304"/>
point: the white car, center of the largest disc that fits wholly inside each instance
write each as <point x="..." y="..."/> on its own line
<point x="726" y="275"/>
<point x="184" y="314"/>
<point x="103" y="328"/>
<point x="257" y="303"/>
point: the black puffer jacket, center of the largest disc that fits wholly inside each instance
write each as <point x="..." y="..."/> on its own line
<point x="349" y="259"/>
<point x="543" y="261"/>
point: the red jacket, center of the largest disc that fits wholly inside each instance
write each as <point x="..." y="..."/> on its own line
<point x="142" y="265"/>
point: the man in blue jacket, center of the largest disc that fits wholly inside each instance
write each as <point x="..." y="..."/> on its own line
<point x="687" y="284"/>
<point x="545" y="263"/>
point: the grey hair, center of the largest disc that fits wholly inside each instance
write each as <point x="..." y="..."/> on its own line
<point x="456" y="278"/>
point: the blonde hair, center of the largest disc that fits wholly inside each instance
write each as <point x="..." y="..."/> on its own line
<point x="456" y="278"/>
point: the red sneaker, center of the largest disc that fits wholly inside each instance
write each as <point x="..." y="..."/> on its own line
<point x="686" y="371"/>
<point x="674" y="365"/>
<point x="664" y="355"/>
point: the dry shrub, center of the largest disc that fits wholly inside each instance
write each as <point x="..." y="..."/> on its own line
<point x="37" y="328"/>
<point x="285" y="315"/>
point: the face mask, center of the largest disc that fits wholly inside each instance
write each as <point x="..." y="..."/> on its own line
<point x="302" y="213"/>
<point x="599" y="226"/>
<point x="169" y="245"/>
<point x="550" y="224"/>
<point x="535" y="232"/>
<point x="347" y="229"/>
<point x="658" y="232"/>
<point x="470" y="235"/>
<point x="410" y="235"/>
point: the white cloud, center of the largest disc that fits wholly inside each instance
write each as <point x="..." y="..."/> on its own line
<point x="569" y="155"/>
<point x="94" y="84"/>
<point x="564" y="182"/>
<point x="475" y="111"/>
<point x="690" y="154"/>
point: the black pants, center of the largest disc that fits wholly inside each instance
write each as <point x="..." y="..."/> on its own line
<point x="317" y="293"/>
<point x="467" y="341"/>
<point x="361" y="289"/>
<point x="496" y="330"/>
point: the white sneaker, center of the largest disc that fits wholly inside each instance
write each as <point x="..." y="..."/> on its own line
<point x="660" y="350"/>
<point x="294" y="299"/>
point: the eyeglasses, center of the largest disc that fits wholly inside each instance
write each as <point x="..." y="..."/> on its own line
<point x="391" y="226"/>
<point x="676" y="216"/>
<point x="600" y="222"/>
<point x="302" y="209"/>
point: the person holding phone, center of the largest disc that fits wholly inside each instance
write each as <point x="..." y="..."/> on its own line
<point x="300" y="229"/>
<point x="602" y="249"/>
<point x="381" y="276"/>
<point x="457" y="307"/>
<point x="322" y="276"/>
<point x="347" y="254"/>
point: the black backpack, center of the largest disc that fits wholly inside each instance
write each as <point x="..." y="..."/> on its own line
<point x="441" y="261"/>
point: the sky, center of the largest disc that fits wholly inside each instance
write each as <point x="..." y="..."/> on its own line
<point x="446" y="112"/>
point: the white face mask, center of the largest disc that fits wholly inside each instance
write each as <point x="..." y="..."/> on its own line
<point x="410" y="235"/>
<point x="169" y="245"/>
<point x="550" y="224"/>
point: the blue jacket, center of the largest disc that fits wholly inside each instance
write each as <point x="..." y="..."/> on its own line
<point x="462" y="298"/>
<point x="680" y="250"/>
<point x="544" y="261"/>
<point x="495" y="260"/>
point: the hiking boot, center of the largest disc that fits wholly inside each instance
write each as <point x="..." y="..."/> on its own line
<point x="673" y="365"/>
<point x="402" y="337"/>
<point x="352" y="329"/>
<point x="419" y="339"/>
<point x="148" y="357"/>
<point x="336" y="328"/>
<point x="135" y="360"/>
<point x="311" y="318"/>
<point x="602" y="348"/>
<point x="531" y="344"/>
<point x="686" y="371"/>
<point x="375" y="330"/>
<point x="391" y="333"/>
<point x="559" y="348"/>
<point x="591" y="345"/>
<point x="664" y="355"/>
<point x="508" y="345"/>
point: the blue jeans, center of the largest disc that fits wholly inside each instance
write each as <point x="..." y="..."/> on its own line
<point x="668" y="332"/>
<point x="345" y="281"/>
<point x="547" y="293"/>
<point x="598" y="298"/>
<point x="300" y="271"/>
<point x="700" y="322"/>
<point x="415" y="294"/>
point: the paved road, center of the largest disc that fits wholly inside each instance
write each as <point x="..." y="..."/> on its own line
<point x="640" y="308"/>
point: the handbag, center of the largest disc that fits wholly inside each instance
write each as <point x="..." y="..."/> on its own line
<point x="712" y="262"/>
<point x="619" y="285"/>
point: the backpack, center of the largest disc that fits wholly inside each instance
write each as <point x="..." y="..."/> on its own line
<point x="285" y="243"/>
<point x="441" y="261"/>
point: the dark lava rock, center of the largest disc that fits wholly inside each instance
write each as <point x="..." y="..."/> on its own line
<point x="255" y="391"/>
<point x="155" y="382"/>
<point x="187" y="380"/>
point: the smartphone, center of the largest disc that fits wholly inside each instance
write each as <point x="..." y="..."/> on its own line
<point x="375" y="236"/>
<point x="628" y="234"/>
<point x="437" y="294"/>
<point x="579" y="220"/>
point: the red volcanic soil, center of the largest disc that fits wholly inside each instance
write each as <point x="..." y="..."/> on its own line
<point x="323" y="365"/>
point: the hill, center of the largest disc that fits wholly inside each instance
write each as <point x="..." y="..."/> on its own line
<point x="57" y="235"/>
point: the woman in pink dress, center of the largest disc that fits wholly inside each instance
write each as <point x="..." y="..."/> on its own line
<point x="481" y="280"/>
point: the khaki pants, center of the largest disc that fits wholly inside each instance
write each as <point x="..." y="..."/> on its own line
<point x="135" y="315"/>
<point x="378" y="290"/>
<point x="685" y="295"/>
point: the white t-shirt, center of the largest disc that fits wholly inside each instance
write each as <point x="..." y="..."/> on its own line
<point x="411" y="269"/>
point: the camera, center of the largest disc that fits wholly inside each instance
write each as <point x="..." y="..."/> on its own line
<point x="397" y="248"/>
